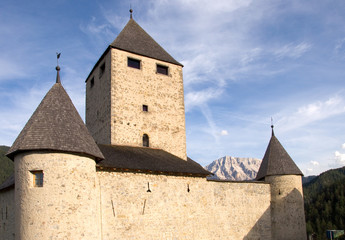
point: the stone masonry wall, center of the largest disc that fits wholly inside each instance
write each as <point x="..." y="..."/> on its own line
<point x="288" y="219"/>
<point x="67" y="205"/>
<point x="98" y="106"/>
<point x="7" y="214"/>
<point x="209" y="210"/>
<point x="131" y="88"/>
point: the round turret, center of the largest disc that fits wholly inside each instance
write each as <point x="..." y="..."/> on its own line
<point x="287" y="204"/>
<point x="56" y="190"/>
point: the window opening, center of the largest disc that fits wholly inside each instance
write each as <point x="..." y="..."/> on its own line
<point x="145" y="108"/>
<point x="92" y="82"/>
<point x="133" y="63"/>
<point x="101" y="70"/>
<point x="146" y="140"/>
<point x="162" y="69"/>
<point x="37" y="178"/>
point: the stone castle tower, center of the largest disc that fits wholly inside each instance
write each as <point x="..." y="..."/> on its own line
<point x="134" y="95"/>
<point x="55" y="177"/>
<point x="287" y="204"/>
<point x="125" y="174"/>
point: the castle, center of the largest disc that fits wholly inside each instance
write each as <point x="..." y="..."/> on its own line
<point x="125" y="173"/>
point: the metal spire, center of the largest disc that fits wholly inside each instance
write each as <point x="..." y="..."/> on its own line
<point x="57" y="68"/>
<point x="131" y="11"/>
<point x="272" y="126"/>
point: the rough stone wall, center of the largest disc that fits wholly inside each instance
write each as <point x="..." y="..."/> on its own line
<point x="131" y="88"/>
<point x="209" y="210"/>
<point x="288" y="219"/>
<point x="65" y="207"/>
<point x="7" y="214"/>
<point x="98" y="106"/>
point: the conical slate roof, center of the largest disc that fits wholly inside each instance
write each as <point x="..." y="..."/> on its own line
<point x="56" y="126"/>
<point x="134" y="39"/>
<point x="277" y="161"/>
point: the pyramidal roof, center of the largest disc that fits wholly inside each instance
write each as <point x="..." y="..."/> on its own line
<point x="134" y="39"/>
<point x="56" y="126"/>
<point x="277" y="161"/>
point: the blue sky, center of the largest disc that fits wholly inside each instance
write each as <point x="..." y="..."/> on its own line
<point x="244" y="62"/>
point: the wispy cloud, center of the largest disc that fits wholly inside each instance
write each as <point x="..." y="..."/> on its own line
<point x="292" y="50"/>
<point x="312" y="112"/>
<point x="199" y="98"/>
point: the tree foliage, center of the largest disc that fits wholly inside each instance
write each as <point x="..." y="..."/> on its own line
<point x="324" y="201"/>
<point x="6" y="164"/>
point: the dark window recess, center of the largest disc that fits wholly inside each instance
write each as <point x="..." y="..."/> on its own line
<point x="162" y="69"/>
<point x="145" y="108"/>
<point x="101" y="70"/>
<point x="92" y="82"/>
<point x="133" y="63"/>
<point x="37" y="178"/>
<point x="146" y="141"/>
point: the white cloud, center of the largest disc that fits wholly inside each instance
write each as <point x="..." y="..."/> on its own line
<point x="313" y="112"/>
<point x="199" y="98"/>
<point x="315" y="163"/>
<point x="343" y="146"/>
<point x="339" y="157"/>
<point x="224" y="133"/>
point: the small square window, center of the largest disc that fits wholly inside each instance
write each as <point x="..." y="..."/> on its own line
<point x="162" y="69"/>
<point x="37" y="177"/>
<point x="145" y="108"/>
<point x="92" y="82"/>
<point x="133" y="63"/>
<point x="101" y="70"/>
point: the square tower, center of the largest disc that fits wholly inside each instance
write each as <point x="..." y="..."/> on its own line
<point x="134" y="95"/>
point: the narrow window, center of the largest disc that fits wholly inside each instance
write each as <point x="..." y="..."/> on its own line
<point x="146" y="141"/>
<point x="101" y="70"/>
<point x="162" y="69"/>
<point x="145" y="108"/>
<point x="133" y="63"/>
<point x="92" y="82"/>
<point x="37" y="177"/>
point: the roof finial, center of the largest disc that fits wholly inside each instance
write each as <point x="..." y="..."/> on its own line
<point x="131" y="11"/>
<point x="57" y="68"/>
<point x="272" y="126"/>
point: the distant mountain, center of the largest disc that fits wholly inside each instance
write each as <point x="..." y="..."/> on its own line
<point x="233" y="168"/>
<point x="324" y="200"/>
<point x="305" y="180"/>
<point x="6" y="164"/>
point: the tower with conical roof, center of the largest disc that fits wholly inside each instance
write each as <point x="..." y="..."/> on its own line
<point x="55" y="174"/>
<point x="287" y="204"/>
<point x="134" y="95"/>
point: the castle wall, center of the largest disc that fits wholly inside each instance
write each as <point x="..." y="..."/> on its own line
<point x="98" y="108"/>
<point x="164" y="122"/>
<point x="7" y="214"/>
<point x="210" y="210"/>
<point x="66" y="207"/>
<point x="288" y="220"/>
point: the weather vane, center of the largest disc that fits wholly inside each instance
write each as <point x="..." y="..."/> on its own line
<point x="57" y="68"/>
<point x="57" y="58"/>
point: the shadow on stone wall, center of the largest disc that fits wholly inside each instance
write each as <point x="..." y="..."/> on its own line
<point x="287" y="220"/>
<point x="262" y="228"/>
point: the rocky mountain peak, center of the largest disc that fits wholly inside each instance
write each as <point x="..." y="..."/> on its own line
<point x="234" y="168"/>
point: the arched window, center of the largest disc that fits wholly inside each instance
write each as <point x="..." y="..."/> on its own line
<point x="146" y="142"/>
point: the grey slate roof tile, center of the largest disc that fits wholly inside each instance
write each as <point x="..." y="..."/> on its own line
<point x="8" y="183"/>
<point x="134" y="39"/>
<point x="56" y="126"/>
<point x="148" y="159"/>
<point x="277" y="161"/>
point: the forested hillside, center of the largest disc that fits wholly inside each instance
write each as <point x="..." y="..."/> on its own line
<point x="6" y="165"/>
<point x="324" y="199"/>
